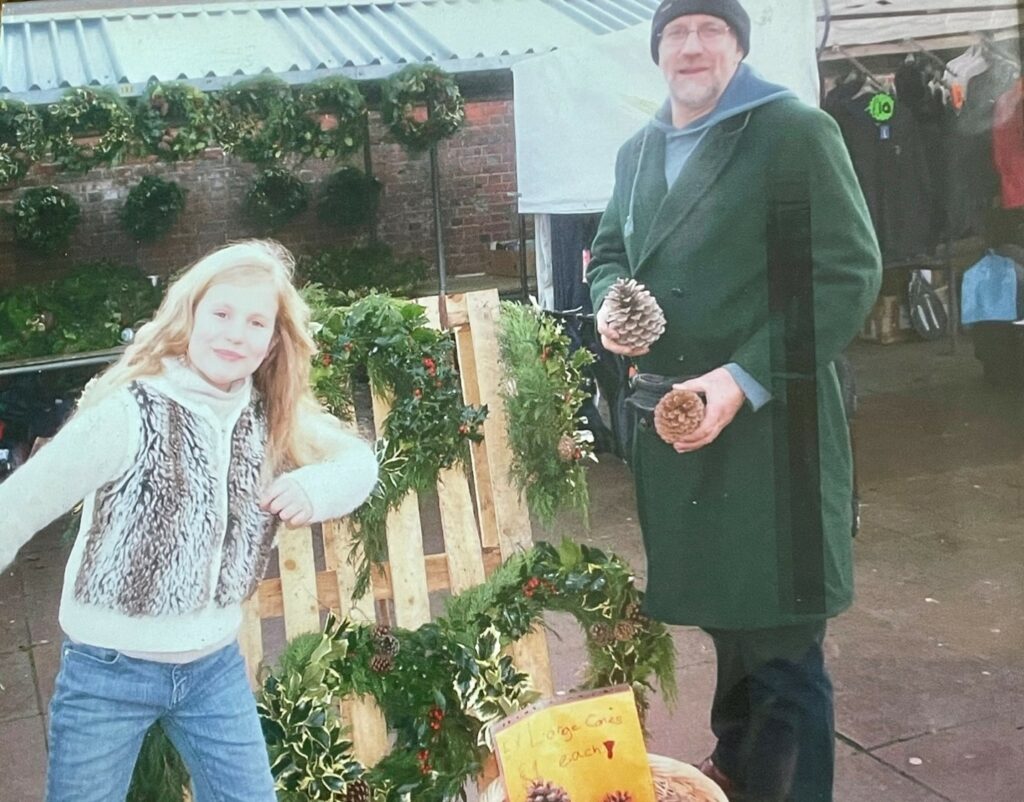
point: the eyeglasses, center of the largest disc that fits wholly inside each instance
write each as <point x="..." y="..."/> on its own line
<point x="709" y="34"/>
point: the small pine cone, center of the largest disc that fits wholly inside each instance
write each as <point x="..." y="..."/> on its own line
<point x="618" y="796"/>
<point x="544" y="791"/>
<point x="381" y="631"/>
<point x="566" y="448"/>
<point x="632" y="611"/>
<point x="634" y="313"/>
<point x="625" y="630"/>
<point x="382" y="663"/>
<point x="357" y="791"/>
<point x="387" y="645"/>
<point x="677" y="414"/>
<point x="602" y="634"/>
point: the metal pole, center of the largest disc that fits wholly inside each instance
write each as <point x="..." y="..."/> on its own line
<point x="524" y="283"/>
<point x="368" y="169"/>
<point x="435" y="183"/>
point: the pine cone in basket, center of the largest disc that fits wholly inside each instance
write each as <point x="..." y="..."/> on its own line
<point x="677" y="414"/>
<point x="543" y="791"/>
<point x="634" y="313"/>
<point x="357" y="791"/>
<point x="618" y="796"/>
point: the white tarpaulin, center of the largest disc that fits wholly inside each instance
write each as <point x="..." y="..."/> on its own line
<point x="864" y="22"/>
<point x="575" y="106"/>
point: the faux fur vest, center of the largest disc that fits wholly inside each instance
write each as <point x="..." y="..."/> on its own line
<point x="180" y="527"/>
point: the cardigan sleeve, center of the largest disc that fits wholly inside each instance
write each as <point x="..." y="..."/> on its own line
<point x="345" y="478"/>
<point x="91" y="449"/>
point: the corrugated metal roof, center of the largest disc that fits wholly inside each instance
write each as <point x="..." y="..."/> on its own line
<point x="47" y="47"/>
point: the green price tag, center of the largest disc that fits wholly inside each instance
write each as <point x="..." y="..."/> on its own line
<point x="881" y="107"/>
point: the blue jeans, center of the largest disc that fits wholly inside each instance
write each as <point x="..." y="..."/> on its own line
<point x="773" y="714"/>
<point x="104" y="702"/>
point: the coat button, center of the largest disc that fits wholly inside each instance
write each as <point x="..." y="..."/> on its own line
<point x="677" y="292"/>
<point x="680" y="358"/>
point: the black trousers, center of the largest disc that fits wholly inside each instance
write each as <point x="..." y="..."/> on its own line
<point x="773" y="715"/>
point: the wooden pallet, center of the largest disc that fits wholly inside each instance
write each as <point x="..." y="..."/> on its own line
<point x="481" y="525"/>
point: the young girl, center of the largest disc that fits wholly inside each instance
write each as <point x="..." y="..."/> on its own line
<point x="188" y="453"/>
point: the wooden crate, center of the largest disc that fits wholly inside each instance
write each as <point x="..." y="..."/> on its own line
<point x="480" y="527"/>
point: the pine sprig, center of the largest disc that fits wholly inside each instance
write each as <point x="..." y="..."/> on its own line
<point x="543" y="393"/>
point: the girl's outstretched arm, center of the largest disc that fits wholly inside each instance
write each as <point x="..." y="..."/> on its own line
<point x="91" y="449"/>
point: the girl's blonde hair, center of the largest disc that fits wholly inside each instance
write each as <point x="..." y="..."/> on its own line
<point x="283" y="377"/>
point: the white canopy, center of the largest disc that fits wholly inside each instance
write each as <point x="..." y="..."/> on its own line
<point x="575" y="106"/>
<point x="864" y="22"/>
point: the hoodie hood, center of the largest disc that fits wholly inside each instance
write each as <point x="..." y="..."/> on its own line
<point x="747" y="90"/>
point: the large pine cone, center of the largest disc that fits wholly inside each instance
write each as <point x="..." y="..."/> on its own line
<point x="634" y="314"/>
<point x="677" y="414"/>
<point x="543" y="791"/>
<point x="618" y="796"/>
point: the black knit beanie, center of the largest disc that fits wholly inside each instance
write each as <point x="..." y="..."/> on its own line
<point x="729" y="10"/>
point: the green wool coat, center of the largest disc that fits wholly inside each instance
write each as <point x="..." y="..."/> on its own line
<point x="718" y="522"/>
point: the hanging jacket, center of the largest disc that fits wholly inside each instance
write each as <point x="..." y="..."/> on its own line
<point x="1008" y="144"/>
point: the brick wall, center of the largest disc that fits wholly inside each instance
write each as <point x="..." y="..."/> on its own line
<point x="478" y="205"/>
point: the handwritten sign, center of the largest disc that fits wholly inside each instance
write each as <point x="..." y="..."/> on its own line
<point x="588" y="744"/>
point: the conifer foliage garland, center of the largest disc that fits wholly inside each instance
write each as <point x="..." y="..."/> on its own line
<point x="175" y="120"/>
<point x="543" y="392"/>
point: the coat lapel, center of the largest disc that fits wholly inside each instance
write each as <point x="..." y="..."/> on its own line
<point x="697" y="177"/>
<point x="651" y="189"/>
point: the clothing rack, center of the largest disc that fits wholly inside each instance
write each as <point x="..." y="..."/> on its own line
<point x="873" y="79"/>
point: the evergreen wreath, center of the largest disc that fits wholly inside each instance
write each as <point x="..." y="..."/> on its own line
<point x="174" y="120"/>
<point x="426" y="86"/>
<point x="97" y="116"/>
<point x="340" y="98"/>
<point x="543" y="391"/>
<point x="21" y="139"/>
<point x="348" y="197"/>
<point x="441" y="686"/>
<point x="252" y="118"/>
<point x="152" y="208"/>
<point x="413" y="365"/>
<point x="44" y="218"/>
<point x="274" y="198"/>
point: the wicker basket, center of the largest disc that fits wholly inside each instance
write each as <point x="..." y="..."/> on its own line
<point x="673" y="782"/>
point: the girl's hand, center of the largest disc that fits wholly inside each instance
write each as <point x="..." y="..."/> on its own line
<point x="286" y="499"/>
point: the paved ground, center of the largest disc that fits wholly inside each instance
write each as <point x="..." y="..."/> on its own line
<point x="928" y="665"/>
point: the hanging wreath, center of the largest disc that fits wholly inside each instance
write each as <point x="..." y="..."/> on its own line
<point x="543" y="391"/>
<point x="174" y="120"/>
<point x="21" y="139"/>
<point x="87" y="128"/>
<point x="44" y="218"/>
<point x="429" y="427"/>
<point x="348" y="198"/>
<point x="275" y="197"/>
<point x="441" y="686"/>
<point x="332" y="119"/>
<point x="252" y="117"/>
<point x="421" y="104"/>
<point x="152" y="208"/>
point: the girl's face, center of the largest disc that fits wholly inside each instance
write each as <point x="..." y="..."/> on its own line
<point x="232" y="333"/>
